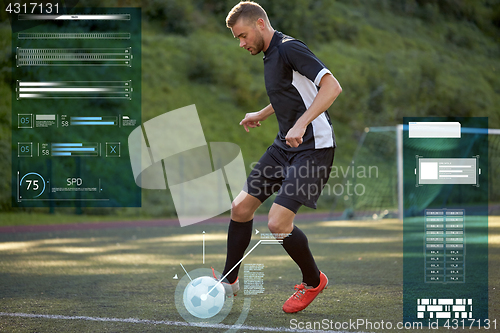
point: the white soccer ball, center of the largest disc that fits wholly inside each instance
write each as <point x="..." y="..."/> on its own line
<point x="201" y="299"/>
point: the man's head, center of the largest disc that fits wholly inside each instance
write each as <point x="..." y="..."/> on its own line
<point x="249" y="23"/>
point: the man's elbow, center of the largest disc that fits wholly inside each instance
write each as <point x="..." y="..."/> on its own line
<point x="338" y="89"/>
<point x="335" y="87"/>
<point x="330" y="83"/>
<point x="336" y="84"/>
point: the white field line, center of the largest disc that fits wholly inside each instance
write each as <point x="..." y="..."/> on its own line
<point x="162" y="322"/>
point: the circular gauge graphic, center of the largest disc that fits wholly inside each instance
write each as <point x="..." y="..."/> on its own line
<point x="31" y="186"/>
<point x="201" y="298"/>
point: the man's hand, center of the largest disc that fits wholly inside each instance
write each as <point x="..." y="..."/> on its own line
<point x="251" y="120"/>
<point x="294" y="136"/>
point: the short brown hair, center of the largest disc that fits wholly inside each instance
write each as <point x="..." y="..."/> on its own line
<point x="247" y="10"/>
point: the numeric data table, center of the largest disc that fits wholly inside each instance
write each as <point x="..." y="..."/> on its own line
<point x="444" y="245"/>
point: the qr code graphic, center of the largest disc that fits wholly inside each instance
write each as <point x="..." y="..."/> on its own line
<point x="445" y="308"/>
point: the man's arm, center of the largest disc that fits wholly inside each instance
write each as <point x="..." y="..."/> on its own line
<point x="253" y="119"/>
<point x="328" y="92"/>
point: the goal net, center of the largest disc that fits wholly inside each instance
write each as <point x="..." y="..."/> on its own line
<point x="380" y="194"/>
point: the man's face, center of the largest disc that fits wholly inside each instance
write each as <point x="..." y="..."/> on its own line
<point x="249" y="35"/>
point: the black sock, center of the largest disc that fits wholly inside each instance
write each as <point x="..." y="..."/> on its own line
<point x="238" y="238"/>
<point x="297" y="247"/>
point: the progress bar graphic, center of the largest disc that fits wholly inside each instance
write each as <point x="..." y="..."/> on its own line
<point x="74" y="57"/>
<point x="75" y="89"/>
<point x="100" y="121"/>
<point x="84" y="17"/>
<point x="75" y="149"/>
<point x="73" y="35"/>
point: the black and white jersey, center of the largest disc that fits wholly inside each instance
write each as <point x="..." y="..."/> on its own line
<point x="292" y="74"/>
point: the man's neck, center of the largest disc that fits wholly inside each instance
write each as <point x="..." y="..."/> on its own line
<point x="268" y="36"/>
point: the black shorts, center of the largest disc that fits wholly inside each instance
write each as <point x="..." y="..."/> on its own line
<point x="298" y="177"/>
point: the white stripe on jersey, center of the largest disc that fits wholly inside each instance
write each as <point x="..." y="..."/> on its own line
<point x="320" y="75"/>
<point x="322" y="130"/>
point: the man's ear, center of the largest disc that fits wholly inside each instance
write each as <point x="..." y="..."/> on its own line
<point x="261" y="24"/>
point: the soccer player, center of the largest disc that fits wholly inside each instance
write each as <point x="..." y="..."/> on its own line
<point x="297" y="165"/>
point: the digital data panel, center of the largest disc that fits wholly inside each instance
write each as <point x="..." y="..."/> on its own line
<point x="445" y="227"/>
<point x="76" y="98"/>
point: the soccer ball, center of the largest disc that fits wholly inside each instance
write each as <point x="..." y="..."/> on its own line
<point x="199" y="302"/>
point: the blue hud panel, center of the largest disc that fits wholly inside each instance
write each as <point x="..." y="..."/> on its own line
<point x="445" y="226"/>
<point x="76" y="98"/>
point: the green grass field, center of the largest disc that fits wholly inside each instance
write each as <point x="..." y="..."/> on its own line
<point x="128" y="273"/>
<point x="24" y="218"/>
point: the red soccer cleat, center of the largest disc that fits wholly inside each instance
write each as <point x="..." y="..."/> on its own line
<point x="304" y="295"/>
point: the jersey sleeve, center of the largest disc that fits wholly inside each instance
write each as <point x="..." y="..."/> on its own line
<point x="302" y="60"/>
